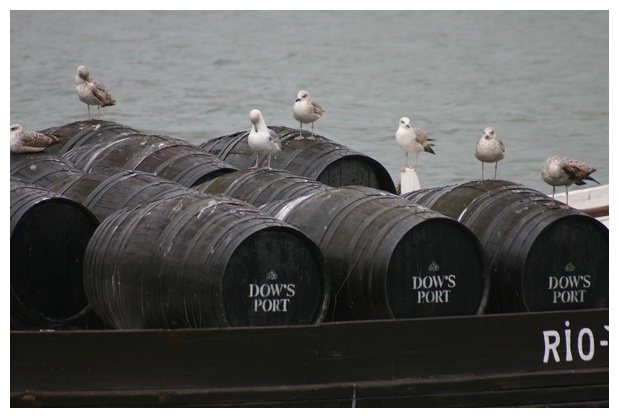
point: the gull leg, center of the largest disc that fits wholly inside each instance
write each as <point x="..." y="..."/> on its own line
<point x="298" y="138"/>
<point x="416" y="160"/>
<point x="405" y="162"/>
<point x="255" y="165"/>
<point x="495" y="166"/>
<point x="566" y="206"/>
<point x="311" y="137"/>
<point x="482" y="170"/>
<point x="269" y="163"/>
<point x="552" y="203"/>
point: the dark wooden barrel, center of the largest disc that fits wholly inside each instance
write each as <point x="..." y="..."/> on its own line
<point x="322" y="160"/>
<point x="109" y="190"/>
<point x="49" y="235"/>
<point x="44" y="170"/>
<point x="541" y="257"/>
<point x="166" y="157"/>
<point x="203" y="261"/>
<point x="261" y="186"/>
<point x="87" y="132"/>
<point x="388" y="258"/>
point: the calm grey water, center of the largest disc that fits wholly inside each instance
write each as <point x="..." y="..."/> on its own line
<point x="541" y="79"/>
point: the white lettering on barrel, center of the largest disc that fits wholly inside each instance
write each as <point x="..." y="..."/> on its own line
<point x="569" y="289"/>
<point x="434" y="288"/>
<point x="271" y="297"/>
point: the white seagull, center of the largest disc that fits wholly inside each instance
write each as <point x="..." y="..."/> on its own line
<point x="412" y="140"/>
<point x="91" y="91"/>
<point x="490" y="149"/>
<point x="23" y="142"/>
<point x="563" y="171"/>
<point x="261" y="139"/>
<point x="306" y="110"/>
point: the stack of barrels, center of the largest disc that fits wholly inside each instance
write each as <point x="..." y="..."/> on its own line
<point x="542" y="256"/>
<point x="150" y="231"/>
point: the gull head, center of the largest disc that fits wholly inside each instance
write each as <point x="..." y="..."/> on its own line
<point x="15" y="128"/>
<point x="254" y="116"/>
<point x="302" y="95"/>
<point x="489" y="133"/>
<point x="405" y="123"/>
<point x="82" y="72"/>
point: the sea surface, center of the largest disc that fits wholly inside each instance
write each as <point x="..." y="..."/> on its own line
<point x="540" y="78"/>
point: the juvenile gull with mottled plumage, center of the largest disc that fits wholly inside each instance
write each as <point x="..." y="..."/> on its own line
<point x="91" y="91"/>
<point x="563" y="171"/>
<point x="412" y="139"/>
<point x="23" y="142"/>
<point x="306" y="110"/>
<point x="490" y="149"/>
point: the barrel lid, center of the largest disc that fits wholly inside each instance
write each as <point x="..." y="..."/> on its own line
<point x="567" y="266"/>
<point x="49" y="234"/>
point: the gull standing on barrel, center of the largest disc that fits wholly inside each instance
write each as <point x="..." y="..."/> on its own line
<point x="490" y="149"/>
<point x="563" y="171"/>
<point x="306" y="110"/>
<point x="261" y="139"/>
<point x="23" y="142"/>
<point x="91" y="91"/>
<point x="412" y="140"/>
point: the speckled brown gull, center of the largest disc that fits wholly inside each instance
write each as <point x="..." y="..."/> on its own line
<point x="563" y="171"/>
<point x="490" y="149"/>
<point x="23" y="142"/>
<point x="306" y="110"/>
<point x="412" y="139"/>
<point x="261" y="139"/>
<point x="91" y="91"/>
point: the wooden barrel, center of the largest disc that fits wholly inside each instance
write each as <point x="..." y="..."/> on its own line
<point x="87" y="132"/>
<point x="322" y="160"/>
<point x="261" y="186"/>
<point x="49" y="234"/>
<point x="44" y="170"/>
<point x="388" y="258"/>
<point x="109" y="190"/>
<point x="541" y="257"/>
<point x="166" y="157"/>
<point x="203" y="261"/>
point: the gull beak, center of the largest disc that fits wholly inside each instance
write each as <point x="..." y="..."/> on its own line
<point x="298" y="99"/>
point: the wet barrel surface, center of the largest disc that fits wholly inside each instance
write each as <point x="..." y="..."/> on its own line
<point x="388" y="258"/>
<point x="49" y="235"/>
<point x="323" y="160"/>
<point x="542" y="257"/>
<point x="261" y="186"/>
<point x="198" y="261"/>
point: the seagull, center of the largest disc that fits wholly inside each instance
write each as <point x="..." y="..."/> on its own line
<point x="92" y="92"/>
<point x="23" y="142"/>
<point x="490" y="149"/>
<point x="262" y="139"/>
<point x="412" y="140"/>
<point x="563" y="171"/>
<point x="306" y="110"/>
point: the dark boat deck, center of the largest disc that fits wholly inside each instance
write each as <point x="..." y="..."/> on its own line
<point x="533" y="359"/>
